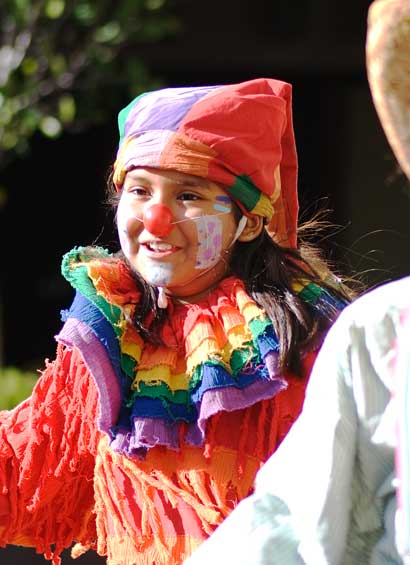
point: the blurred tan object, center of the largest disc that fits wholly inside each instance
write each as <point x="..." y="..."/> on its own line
<point x="388" y="71"/>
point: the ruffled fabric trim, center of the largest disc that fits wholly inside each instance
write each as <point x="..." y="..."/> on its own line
<point x="218" y="355"/>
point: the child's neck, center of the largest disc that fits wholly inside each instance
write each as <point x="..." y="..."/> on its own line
<point x="195" y="298"/>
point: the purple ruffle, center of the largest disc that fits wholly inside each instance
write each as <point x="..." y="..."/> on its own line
<point x="77" y="334"/>
<point x="149" y="432"/>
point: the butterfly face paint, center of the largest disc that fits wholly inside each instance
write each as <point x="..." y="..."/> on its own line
<point x="209" y="241"/>
<point x="210" y="233"/>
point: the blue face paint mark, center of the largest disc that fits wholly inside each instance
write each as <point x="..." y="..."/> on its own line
<point x="221" y="208"/>
<point x="226" y="200"/>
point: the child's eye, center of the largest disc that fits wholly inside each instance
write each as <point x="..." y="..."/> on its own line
<point x="190" y="196"/>
<point x="138" y="191"/>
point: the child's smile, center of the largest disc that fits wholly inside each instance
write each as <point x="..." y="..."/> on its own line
<point x="157" y="248"/>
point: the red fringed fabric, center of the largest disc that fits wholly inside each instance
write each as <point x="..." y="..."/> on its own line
<point x="47" y="457"/>
<point x="61" y="483"/>
<point x="157" y="511"/>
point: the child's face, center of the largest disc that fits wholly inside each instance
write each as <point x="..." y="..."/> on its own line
<point x="194" y="256"/>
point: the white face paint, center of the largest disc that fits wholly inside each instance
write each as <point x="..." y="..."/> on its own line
<point x="157" y="274"/>
<point x="122" y="217"/>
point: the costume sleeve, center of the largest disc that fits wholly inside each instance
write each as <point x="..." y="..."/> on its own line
<point x="47" y="456"/>
<point x="332" y="466"/>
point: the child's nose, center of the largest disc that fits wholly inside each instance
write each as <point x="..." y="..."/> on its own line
<point x="158" y="219"/>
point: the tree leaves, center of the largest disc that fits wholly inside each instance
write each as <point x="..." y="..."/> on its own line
<point x="64" y="63"/>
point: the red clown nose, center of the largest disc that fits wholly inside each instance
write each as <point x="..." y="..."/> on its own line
<point x="158" y="220"/>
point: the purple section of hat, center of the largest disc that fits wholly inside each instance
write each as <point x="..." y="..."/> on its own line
<point x="163" y="109"/>
<point x="145" y="151"/>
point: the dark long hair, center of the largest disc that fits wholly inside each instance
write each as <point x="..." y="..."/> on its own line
<point x="268" y="272"/>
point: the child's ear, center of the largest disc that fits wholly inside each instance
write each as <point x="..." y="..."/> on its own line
<point x="253" y="228"/>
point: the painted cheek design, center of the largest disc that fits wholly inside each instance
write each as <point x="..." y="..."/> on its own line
<point x="224" y="204"/>
<point x="209" y="241"/>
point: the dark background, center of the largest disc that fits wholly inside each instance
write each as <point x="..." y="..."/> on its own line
<point x="55" y="195"/>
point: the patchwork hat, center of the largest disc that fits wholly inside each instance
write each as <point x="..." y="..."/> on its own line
<point x="239" y="135"/>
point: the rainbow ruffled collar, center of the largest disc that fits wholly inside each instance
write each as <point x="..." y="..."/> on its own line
<point x="220" y="354"/>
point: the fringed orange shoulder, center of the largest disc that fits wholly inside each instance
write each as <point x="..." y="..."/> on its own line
<point x="47" y="457"/>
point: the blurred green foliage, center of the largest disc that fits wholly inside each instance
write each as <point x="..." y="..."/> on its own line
<point x="15" y="386"/>
<point x="64" y="63"/>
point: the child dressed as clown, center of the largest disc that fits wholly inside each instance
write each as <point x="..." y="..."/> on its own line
<point x="183" y="359"/>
